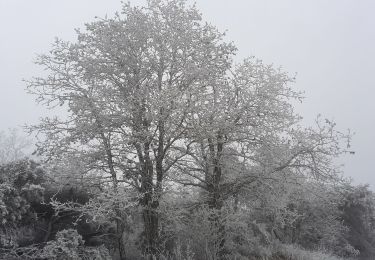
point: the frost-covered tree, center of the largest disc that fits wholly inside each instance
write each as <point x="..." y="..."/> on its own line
<point x="129" y="84"/>
<point x="244" y="133"/>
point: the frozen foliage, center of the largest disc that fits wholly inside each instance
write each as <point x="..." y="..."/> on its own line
<point x="68" y="245"/>
<point x="19" y="187"/>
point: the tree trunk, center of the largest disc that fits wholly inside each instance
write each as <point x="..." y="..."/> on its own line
<point x="215" y="199"/>
<point x="119" y="237"/>
<point x="218" y="224"/>
<point x="151" y="231"/>
<point x="150" y="203"/>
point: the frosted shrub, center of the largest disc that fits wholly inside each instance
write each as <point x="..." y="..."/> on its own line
<point x="68" y="245"/>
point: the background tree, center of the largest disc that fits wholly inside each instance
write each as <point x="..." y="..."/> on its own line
<point x="13" y="146"/>
<point x="358" y="208"/>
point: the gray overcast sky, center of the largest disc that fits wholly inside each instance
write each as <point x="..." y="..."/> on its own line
<point x="330" y="44"/>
